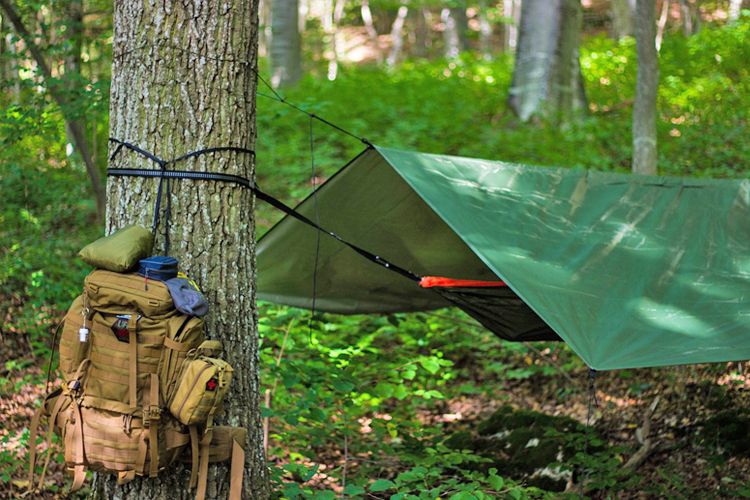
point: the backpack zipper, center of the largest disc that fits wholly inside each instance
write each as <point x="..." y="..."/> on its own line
<point x="152" y="301"/>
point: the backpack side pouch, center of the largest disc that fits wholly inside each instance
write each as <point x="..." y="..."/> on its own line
<point x="72" y="349"/>
<point x="201" y="389"/>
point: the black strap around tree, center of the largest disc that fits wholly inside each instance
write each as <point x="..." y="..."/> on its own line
<point x="163" y="173"/>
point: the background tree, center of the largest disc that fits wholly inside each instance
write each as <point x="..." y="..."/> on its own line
<point x="286" y="51"/>
<point x="422" y="42"/>
<point x="622" y="12"/>
<point x="735" y="8"/>
<point x="511" y="20"/>
<point x="62" y="96"/>
<point x="193" y="64"/>
<point x="485" y="30"/>
<point x="547" y="73"/>
<point x="397" y="36"/>
<point x="455" y="28"/>
<point x="644" y="109"/>
<point x="360" y="398"/>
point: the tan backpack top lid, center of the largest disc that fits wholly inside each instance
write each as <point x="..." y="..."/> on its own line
<point x="121" y="250"/>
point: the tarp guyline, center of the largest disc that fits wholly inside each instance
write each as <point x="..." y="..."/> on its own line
<point x="631" y="271"/>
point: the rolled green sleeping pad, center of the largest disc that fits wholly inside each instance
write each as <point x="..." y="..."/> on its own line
<point x="121" y="250"/>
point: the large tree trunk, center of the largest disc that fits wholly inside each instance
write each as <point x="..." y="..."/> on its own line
<point x="644" y="109"/>
<point x="61" y="97"/>
<point x="547" y="74"/>
<point x="622" y="12"/>
<point x="183" y="78"/>
<point x="286" y="55"/>
<point x="455" y="27"/>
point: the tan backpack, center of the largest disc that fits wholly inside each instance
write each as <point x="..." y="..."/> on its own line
<point x="127" y="356"/>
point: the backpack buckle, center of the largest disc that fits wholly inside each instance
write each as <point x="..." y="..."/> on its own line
<point x="152" y="413"/>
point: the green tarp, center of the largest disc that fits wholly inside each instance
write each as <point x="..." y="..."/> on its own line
<point x="630" y="271"/>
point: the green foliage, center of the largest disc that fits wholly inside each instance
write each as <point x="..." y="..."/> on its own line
<point x="458" y="107"/>
<point x="352" y="396"/>
<point x="39" y="271"/>
<point x="352" y="389"/>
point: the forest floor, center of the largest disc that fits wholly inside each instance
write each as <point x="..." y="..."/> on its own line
<point x="689" y="457"/>
<point x="686" y="460"/>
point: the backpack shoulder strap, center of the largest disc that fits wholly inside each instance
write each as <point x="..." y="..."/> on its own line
<point x="33" y="431"/>
<point x="237" y="471"/>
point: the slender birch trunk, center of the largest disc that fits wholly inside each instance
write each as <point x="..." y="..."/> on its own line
<point x="547" y="74"/>
<point x="622" y="13"/>
<point x="644" y="109"/>
<point x="397" y="37"/>
<point x="485" y="31"/>
<point x="286" y="48"/>
<point x="455" y="26"/>
<point x="735" y="8"/>
<point x="372" y="33"/>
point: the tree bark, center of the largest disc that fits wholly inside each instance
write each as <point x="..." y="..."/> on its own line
<point x="455" y="27"/>
<point x="183" y="78"/>
<point x="286" y="55"/>
<point x="644" y="109"/>
<point x="77" y="131"/>
<point x="547" y="74"/>
<point x="622" y="12"/>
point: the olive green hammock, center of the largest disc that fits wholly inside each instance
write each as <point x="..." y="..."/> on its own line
<point x="631" y="271"/>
